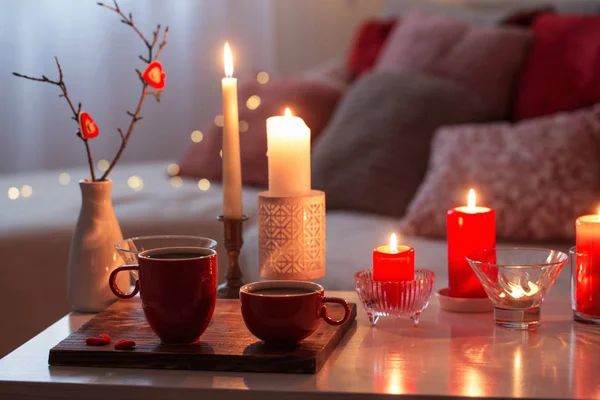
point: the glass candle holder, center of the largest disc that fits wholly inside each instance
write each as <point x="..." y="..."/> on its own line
<point x="394" y="298"/>
<point x="585" y="287"/>
<point x="517" y="280"/>
<point x="129" y="248"/>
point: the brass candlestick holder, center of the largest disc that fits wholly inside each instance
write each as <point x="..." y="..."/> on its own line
<point x="230" y="289"/>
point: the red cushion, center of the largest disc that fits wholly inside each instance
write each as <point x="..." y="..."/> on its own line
<point x="313" y="101"/>
<point x="370" y="38"/>
<point x="562" y="71"/>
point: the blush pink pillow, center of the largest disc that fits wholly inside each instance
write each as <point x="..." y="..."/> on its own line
<point x="539" y="175"/>
<point x="486" y="59"/>
<point x="314" y="101"/>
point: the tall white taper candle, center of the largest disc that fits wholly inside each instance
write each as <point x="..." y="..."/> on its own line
<point x="232" y="170"/>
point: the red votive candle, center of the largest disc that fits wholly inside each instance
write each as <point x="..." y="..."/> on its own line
<point x="393" y="262"/>
<point x="470" y="230"/>
<point x="587" y="271"/>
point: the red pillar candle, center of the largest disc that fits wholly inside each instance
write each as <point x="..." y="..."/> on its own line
<point x="470" y="230"/>
<point x="587" y="268"/>
<point x="393" y="262"/>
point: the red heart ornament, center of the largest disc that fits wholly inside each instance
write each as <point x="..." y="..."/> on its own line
<point x="88" y="128"/>
<point x="155" y="76"/>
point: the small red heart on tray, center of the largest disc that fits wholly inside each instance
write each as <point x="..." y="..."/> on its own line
<point x="124" y="344"/>
<point x="154" y="75"/>
<point x="105" y="337"/>
<point x="88" y="128"/>
<point x="96" y="341"/>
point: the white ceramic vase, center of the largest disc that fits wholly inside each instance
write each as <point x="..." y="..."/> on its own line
<point x="93" y="256"/>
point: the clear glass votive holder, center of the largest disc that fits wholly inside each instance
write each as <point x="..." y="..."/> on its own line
<point x="585" y="287"/>
<point x="394" y="299"/>
<point x="516" y="280"/>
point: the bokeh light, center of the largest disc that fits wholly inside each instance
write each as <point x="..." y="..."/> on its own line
<point x="135" y="182"/>
<point x="176" y="181"/>
<point x="173" y="169"/>
<point x="13" y="193"/>
<point x="64" y="178"/>
<point x="197" y="136"/>
<point x="204" y="184"/>
<point x="26" y="191"/>
<point x="103" y="165"/>
<point x="262" y="77"/>
<point x="253" y="102"/>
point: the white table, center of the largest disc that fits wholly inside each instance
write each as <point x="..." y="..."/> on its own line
<point x="448" y="354"/>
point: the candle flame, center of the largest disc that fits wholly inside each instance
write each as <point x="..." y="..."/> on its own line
<point x="288" y="112"/>
<point x="471" y="199"/>
<point x="228" y="61"/>
<point x="517" y="291"/>
<point x="393" y="243"/>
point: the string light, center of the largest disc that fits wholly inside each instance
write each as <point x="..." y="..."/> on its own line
<point x="176" y="182"/>
<point x="135" y="182"/>
<point x="221" y="153"/>
<point x="243" y="126"/>
<point x="13" y="193"/>
<point x="253" y="102"/>
<point x="26" y="191"/>
<point x="173" y="169"/>
<point x="219" y="120"/>
<point x="197" y="136"/>
<point x="204" y="184"/>
<point x="103" y="165"/>
<point x="64" y="178"/>
<point x="262" y="77"/>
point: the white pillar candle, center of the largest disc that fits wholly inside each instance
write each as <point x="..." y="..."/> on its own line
<point x="288" y="146"/>
<point x="232" y="170"/>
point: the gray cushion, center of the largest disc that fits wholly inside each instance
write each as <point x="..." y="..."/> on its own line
<point x="374" y="153"/>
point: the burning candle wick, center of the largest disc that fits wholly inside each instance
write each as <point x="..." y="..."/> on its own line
<point x="393" y="244"/>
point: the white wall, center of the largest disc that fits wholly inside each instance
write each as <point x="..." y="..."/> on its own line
<point x="310" y="31"/>
<point x="99" y="55"/>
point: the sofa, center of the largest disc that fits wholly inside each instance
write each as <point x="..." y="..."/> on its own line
<point x="36" y="231"/>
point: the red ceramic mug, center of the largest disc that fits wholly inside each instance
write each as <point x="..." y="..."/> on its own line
<point x="286" y="311"/>
<point x="178" y="287"/>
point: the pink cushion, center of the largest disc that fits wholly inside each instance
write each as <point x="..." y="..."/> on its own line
<point x="486" y="59"/>
<point x="539" y="175"/>
<point x="313" y="101"/>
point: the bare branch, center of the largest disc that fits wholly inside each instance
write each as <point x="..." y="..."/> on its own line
<point x="127" y="21"/>
<point x="64" y="93"/>
<point x="31" y="78"/>
<point x="163" y="43"/>
<point x="60" y="73"/>
<point x="135" y="115"/>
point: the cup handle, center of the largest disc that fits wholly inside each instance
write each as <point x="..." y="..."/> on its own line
<point x="112" y="281"/>
<point x="337" y="300"/>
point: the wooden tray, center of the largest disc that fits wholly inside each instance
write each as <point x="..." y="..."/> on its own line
<point x="225" y="346"/>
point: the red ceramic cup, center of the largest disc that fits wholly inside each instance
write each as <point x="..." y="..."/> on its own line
<point x="286" y="311"/>
<point x="178" y="287"/>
